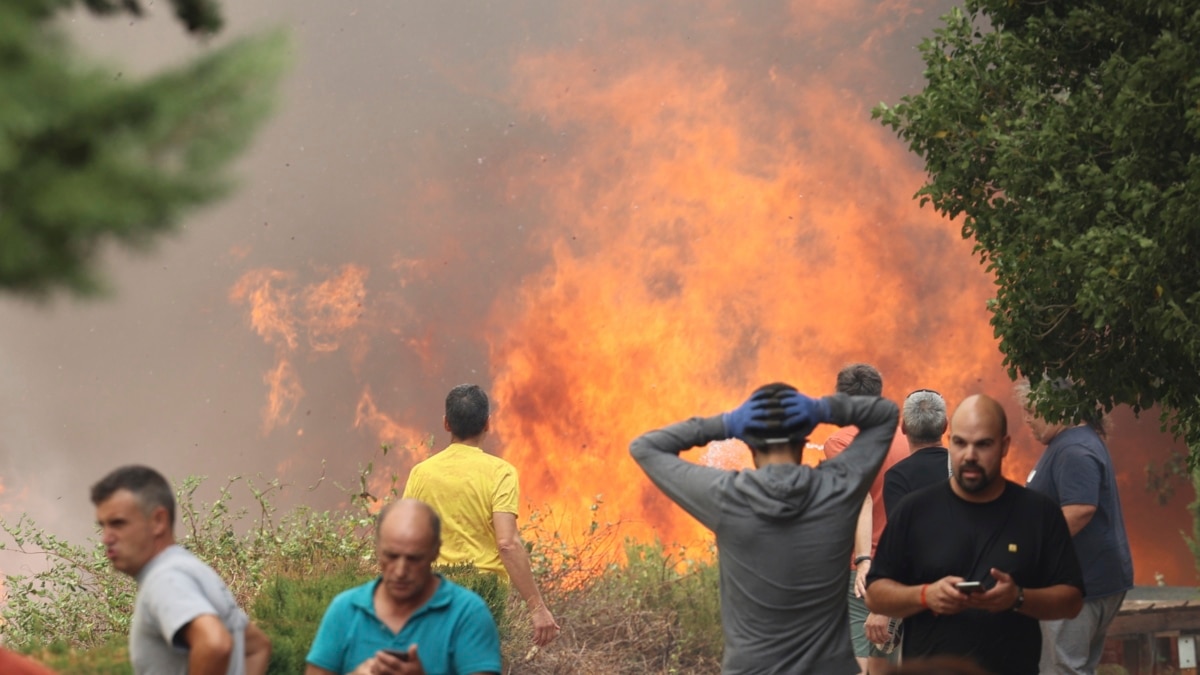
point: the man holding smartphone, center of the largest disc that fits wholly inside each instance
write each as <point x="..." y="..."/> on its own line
<point x="977" y="527"/>
<point x="410" y="620"/>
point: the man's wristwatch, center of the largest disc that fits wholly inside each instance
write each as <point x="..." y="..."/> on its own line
<point x="861" y="559"/>
<point x="1020" y="599"/>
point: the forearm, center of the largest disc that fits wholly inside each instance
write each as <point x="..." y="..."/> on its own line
<point x="864" y="529"/>
<point x="210" y="645"/>
<point x="675" y="438"/>
<point x="516" y="562"/>
<point x="1052" y="603"/>
<point x="258" y="650"/>
<point x="203" y="660"/>
<point x="1078" y="516"/>
<point x="891" y="598"/>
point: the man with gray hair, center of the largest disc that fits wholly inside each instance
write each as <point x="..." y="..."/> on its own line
<point x="185" y="620"/>
<point x="923" y="423"/>
<point x="1076" y="471"/>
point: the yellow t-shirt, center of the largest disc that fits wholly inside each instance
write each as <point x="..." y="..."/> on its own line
<point x="466" y="486"/>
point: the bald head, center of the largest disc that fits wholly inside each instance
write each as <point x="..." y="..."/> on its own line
<point x="981" y="409"/>
<point x="978" y="443"/>
<point x="411" y="517"/>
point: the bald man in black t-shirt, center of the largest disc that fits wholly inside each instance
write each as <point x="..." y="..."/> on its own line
<point x="977" y="527"/>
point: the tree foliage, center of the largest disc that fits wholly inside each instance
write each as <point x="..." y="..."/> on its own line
<point x="87" y="155"/>
<point x="1066" y="135"/>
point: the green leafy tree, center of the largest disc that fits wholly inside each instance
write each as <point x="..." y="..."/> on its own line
<point x="1066" y="136"/>
<point x="88" y="157"/>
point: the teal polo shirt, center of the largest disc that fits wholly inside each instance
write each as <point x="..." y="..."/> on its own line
<point x="454" y="632"/>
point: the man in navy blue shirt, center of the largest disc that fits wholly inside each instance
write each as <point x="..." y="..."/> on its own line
<point x="1076" y="471"/>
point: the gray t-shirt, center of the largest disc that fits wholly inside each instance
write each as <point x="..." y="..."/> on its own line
<point x="175" y="588"/>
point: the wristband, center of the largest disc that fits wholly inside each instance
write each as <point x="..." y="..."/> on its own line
<point x="923" y="603"/>
<point x="861" y="559"/>
<point x="1020" y="599"/>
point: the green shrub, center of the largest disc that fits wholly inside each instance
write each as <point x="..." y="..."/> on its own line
<point x="107" y="658"/>
<point x="289" y="610"/>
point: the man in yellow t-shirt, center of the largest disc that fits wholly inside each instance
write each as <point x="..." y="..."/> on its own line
<point x="476" y="496"/>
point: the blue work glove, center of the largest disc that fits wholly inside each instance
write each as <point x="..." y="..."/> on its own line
<point x="802" y="413"/>
<point x="750" y="413"/>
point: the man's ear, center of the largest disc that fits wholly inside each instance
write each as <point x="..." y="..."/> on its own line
<point x="160" y="521"/>
<point x="446" y="424"/>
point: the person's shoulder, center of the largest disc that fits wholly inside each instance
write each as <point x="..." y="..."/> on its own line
<point x="361" y="595"/>
<point x="1031" y="497"/>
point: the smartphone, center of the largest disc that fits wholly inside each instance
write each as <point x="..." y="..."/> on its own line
<point x="969" y="586"/>
<point x="403" y="656"/>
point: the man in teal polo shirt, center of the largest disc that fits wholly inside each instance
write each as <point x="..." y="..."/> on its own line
<point x="409" y="620"/>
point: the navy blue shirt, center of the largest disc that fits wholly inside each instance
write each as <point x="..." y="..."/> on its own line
<point x="1077" y="469"/>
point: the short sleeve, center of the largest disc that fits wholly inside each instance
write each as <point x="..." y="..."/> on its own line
<point x="175" y="599"/>
<point x="839" y="441"/>
<point x="891" y="558"/>
<point x="328" y="649"/>
<point x="476" y="640"/>
<point x="507" y="494"/>
<point x="1078" y="475"/>
<point x="1061" y="563"/>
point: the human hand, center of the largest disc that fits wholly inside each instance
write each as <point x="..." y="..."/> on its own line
<point x="860" y="578"/>
<point x="545" y="628"/>
<point x="393" y="662"/>
<point x="941" y="597"/>
<point x="876" y="628"/>
<point x="752" y="412"/>
<point x="998" y="598"/>
<point x="803" y="411"/>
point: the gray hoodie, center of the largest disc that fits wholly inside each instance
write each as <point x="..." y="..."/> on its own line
<point x="784" y="534"/>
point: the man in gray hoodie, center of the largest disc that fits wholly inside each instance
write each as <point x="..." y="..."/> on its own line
<point x="784" y="530"/>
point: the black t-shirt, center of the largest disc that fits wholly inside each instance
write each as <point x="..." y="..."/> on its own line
<point x="934" y="533"/>
<point x="923" y="468"/>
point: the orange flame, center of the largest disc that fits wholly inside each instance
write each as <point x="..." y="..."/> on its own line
<point x="325" y="311"/>
<point x="707" y="223"/>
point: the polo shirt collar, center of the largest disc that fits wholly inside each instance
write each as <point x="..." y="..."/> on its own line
<point x="364" y="597"/>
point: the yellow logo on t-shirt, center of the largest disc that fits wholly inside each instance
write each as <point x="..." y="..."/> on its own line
<point x="1012" y="548"/>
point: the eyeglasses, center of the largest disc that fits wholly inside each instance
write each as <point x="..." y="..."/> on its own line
<point x="924" y="391"/>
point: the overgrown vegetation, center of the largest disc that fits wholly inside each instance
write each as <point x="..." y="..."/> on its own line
<point x="624" y="607"/>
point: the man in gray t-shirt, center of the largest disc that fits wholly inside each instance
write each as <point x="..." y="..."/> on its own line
<point x="185" y="620"/>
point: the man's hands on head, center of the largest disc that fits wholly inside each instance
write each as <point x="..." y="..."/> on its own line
<point x="749" y="414"/>
<point x="804" y="412"/>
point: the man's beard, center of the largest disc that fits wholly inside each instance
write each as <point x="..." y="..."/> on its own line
<point x="975" y="486"/>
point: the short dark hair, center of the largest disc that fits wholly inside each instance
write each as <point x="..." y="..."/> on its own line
<point x="860" y="379"/>
<point x="467" y="411"/>
<point x="148" y="486"/>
